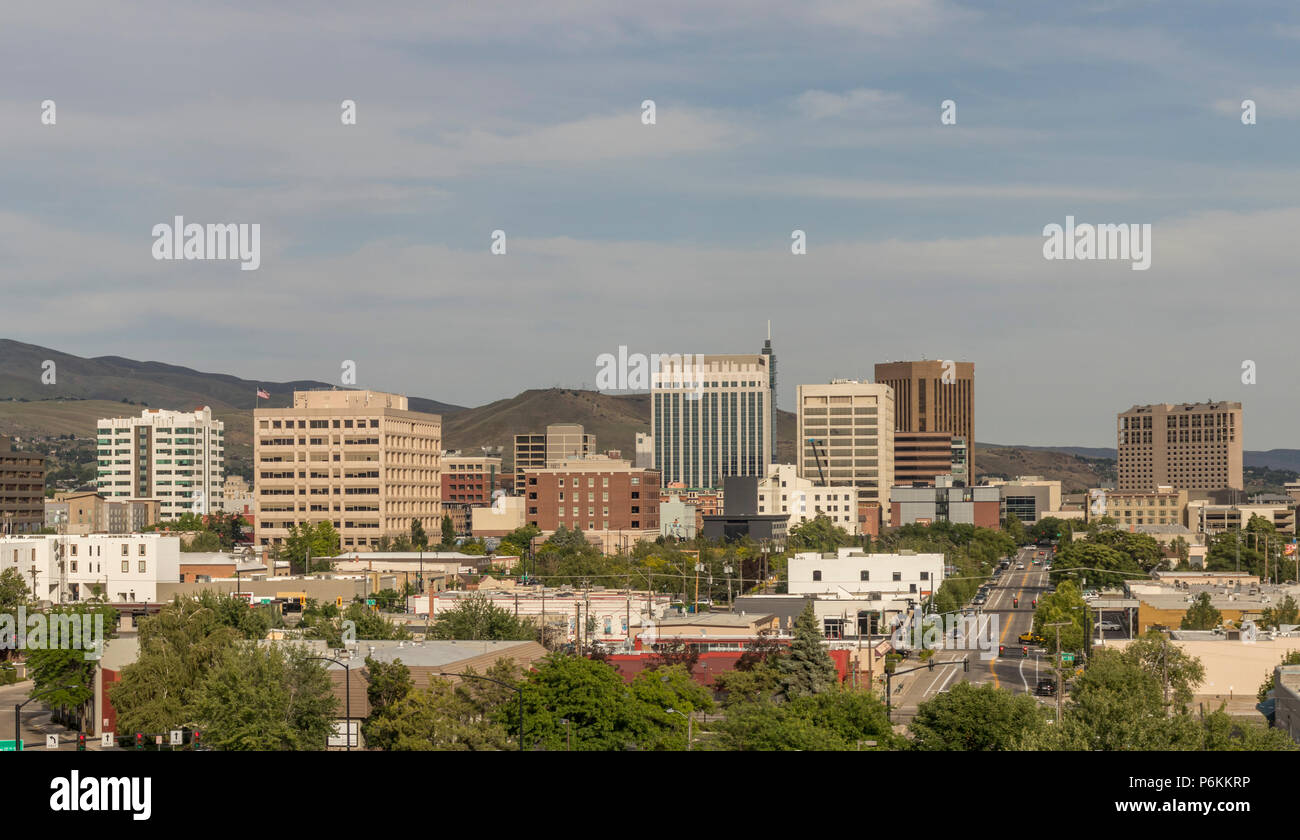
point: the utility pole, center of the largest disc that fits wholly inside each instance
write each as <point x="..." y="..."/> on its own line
<point x="1060" y="683"/>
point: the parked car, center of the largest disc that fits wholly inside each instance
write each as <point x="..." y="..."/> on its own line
<point x="1109" y="625"/>
<point x="1046" y="687"/>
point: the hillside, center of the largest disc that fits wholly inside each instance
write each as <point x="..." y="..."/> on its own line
<point x="614" y="420"/>
<point x="154" y="384"/>
<point x="1076" y="473"/>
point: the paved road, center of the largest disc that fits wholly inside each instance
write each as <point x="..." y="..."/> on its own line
<point x="36" y="723"/>
<point x="1010" y="604"/>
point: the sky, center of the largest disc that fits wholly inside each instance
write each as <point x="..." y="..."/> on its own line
<point x="924" y="239"/>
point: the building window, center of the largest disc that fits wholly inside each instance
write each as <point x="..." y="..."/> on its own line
<point x="144" y="566"/>
<point x="864" y="575"/>
<point x="125" y="550"/>
<point x="126" y="566"/>
<point x="925" y="575"/>
<point x="817" y="574"/>
<point x="141" y="549"/>
<point x="898" y="575"/>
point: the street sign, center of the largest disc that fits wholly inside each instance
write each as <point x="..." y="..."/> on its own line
<point x="107" y="740"/>
<point x="8" y="746"/>
<point x="51" y="742"/>
<point x="177" y="737"/>
<point x="1067" y="659"/>
<point x="370" y="602"/>
<point x="157" y="740"/>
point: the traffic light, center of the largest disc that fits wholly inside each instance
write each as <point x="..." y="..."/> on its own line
<point x="1002" y="649"/>
<point x="931" y="663"/>
<point x="139" y="740"/>
<point x="1035" y="603"/>
<point x="195" y="738"/>
<point x="1024" y="651"/>
<point x="1015" y="600"/>
<point x="81" y="742"/>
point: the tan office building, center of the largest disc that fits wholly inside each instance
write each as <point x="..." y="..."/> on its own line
<point x="360" y="459"/>
<point x="849" y="426"/>
<point x="560" y="442"/>
<point x="1190" y="446"/>
<point x="1157" y="506"/>
<point x="934" y="396"/>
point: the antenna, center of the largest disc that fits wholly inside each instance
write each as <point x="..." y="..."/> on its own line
<point x="769" y="329"/>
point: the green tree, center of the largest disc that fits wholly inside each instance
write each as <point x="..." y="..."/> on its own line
<point x="819" y="534"/>
<point x="203" y="541"/>
<point x="178" y="647"/>
<point x="1286" y="612"/>
<point x="1291" y="658"/>
<point x="975" y="718"/>
<point x="477" y="618"/>
<point x="1015" y="529"/>
<point x="1174" y="669"/>
<point x="448" y="533"/>
<point x="1065" y="604"/>
<point x="1201" y="615"/>
<point x="13" y="591"/>
<point x="590" y="695"/>
<point x="838" y="719"/>
<point x="808" y="668"/>
<point x="266" y="698"/>
<point x="419" y="539"/>
<point x="57" y="659"/>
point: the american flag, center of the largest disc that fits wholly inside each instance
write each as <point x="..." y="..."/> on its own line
<point x="262" y="395"/>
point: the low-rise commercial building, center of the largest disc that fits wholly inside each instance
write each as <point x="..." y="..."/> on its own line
<point x="783" y="491"/>
<point x="22" y="489"/>
<point x="874" y="577"/>
<point x="124" y="568"/>
<point x="980" y="506"/>
<point x="595" y="493"/>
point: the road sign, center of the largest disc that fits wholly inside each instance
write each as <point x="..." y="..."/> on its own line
<point x="370" y="602"/>
<point x="1067" y="659"/>
<point x="157" y="740"/>
<point x="8" y="746"/>
<point x="177" y="737"/>
<point x="51" y="742"/>
<point x="107" y="740"/>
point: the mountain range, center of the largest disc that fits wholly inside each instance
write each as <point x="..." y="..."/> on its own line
<point x="86" y="389"/>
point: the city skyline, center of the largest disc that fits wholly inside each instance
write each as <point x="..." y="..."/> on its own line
<point x="925" y="238"/>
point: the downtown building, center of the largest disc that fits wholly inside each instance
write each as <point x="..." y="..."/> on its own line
<point x="559" y="443"/>
<point x="470" y="477"/>
<point x="846" y="439"/>
<point x="711" y="417"/>
<point x="359" y="459"/>
<point x="176" y="457"/>
<point x="934" y="396"/>
<point x="22" y="490"/>
<point x="1189" y="446"/>
<point x="593" y="494"/>
<point x="69" y="569"/>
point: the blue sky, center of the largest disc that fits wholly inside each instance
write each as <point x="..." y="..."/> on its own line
<point x="924" y="240"/>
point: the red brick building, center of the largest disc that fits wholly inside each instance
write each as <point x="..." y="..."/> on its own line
<point x="469" y="478"/>
<point x="592" y="494"/>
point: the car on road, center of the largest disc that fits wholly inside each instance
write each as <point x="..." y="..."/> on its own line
<point x="1046" y="687"/>
<point x="1020" y="565"/>
<point x="1032" y="639"/>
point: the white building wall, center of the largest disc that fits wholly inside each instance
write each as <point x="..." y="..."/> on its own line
<point x="841" y="575"/>
<point x="183" y="469"/>
<point x="94" y="560"/>
<point x="783" y="491"/>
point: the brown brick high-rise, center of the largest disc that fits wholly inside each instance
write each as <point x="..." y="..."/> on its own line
<point x="927" y="400"/>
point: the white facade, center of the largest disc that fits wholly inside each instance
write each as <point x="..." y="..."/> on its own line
<point x="783" y="491"/>
<point x="176" y="457"/>
<point x="126" y="568"/>
<point x="851" y="574"/>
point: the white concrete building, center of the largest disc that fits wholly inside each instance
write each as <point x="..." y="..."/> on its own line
<point x="852" y="574"/>
<point x="125" y="568"/>
<point x="783" y="491"/>
<point x="176" y="457"/>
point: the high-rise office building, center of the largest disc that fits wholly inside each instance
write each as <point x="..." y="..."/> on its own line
<point x="22" y="490"/>
<point x="846" y="437"/>
<point x="359" y="459"/>
<point x="934" y="396"/>
<point x="710" y="418"/>
<point x="559" y="443"/>
<point x="1190" y="446"/>
<point x="176" y="457"/>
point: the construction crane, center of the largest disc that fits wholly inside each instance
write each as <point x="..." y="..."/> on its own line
<point x="813" y="443"/>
